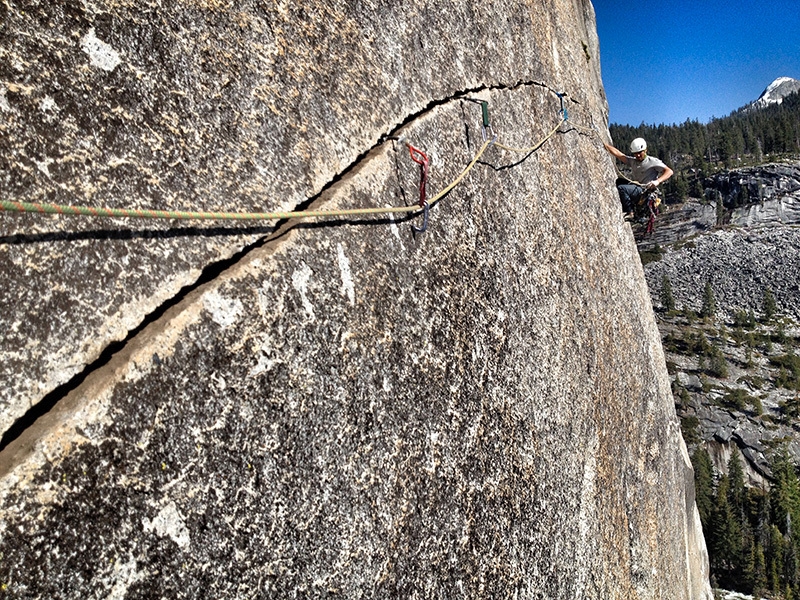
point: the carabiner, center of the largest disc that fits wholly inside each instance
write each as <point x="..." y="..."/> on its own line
<point x="424" y="228"/>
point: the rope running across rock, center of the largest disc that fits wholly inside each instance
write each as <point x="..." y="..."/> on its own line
<point x="86" y="211"/>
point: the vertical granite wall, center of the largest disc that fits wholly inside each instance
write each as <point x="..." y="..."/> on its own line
<point x="326" y="408"/>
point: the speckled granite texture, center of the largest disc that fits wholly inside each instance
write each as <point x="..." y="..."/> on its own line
<point x="327" y="409"/>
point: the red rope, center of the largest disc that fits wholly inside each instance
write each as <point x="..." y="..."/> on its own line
<point x="651" y="222"/>
<point x="422" y="161"/>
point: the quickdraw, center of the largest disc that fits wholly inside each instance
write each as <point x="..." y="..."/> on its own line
<point x="563" y="112"/>
<point x="419" y="157"/>
<point x="653" y="202"/>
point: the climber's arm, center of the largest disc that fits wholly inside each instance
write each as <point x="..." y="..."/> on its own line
<point x="616" y="153"/>
<point x="665" y="174"/>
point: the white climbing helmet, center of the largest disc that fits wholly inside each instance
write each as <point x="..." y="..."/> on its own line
<point x="638" y="145"/>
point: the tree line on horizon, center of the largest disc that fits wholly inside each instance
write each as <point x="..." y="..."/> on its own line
<point x="748" y="136"/>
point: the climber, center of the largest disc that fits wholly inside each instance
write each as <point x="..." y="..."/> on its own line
<point x="648" y="173"/>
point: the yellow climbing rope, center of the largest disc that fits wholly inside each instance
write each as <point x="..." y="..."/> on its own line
<point x="535" y="146"/>
<point x="86" y="211"/>
<point x="458" y="179"/>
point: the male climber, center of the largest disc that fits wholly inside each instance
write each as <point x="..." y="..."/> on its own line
<point x="648" y="172"/>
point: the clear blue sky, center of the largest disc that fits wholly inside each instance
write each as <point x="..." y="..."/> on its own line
<point x="664" y="62"/>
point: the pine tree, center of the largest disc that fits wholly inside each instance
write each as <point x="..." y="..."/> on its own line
<point x="775" y="552"/>
<point x="790" y="566"/>
<point x="726" y="140"/>
<point x="696" y="188"/>
<point x="785" y="493"/>
<point x="680" y="187"/>
<point x="759" y="571"/>
<point x="747" y="576"/>
<point x="667" y="299"/>
<point x="726" y="540"/>
<point x="709" y="307"/>
<point x="785" y="501"/>
<point x="743" y="575"/>
<point x="769" y="308"/>
<point x="703" y="485"/>
<point x="736" y="491"/>
<point x="717" y="365"/>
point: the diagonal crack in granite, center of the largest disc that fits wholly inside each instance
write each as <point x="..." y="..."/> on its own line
<point x="213" y="270"/>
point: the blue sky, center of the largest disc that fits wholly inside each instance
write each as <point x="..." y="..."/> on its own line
<point x="664" y="62"/>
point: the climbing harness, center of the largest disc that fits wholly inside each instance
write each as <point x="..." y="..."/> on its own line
<point x="651" y="200"/>
<point x="419" y="157"/>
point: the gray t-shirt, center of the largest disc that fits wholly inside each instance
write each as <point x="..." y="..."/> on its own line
<point x="646" y="171"/>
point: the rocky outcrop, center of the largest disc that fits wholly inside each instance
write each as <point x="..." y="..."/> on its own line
<point x="675" y="223"/>
<point x="327" y="408"/>
<point x="724" y="429"/>
<point x="775" y="92"/>
<point x="739" y="264"/>
<point x="766" y="195"/>
<point x="745" y="408"/>
<point x="746" y="190"/>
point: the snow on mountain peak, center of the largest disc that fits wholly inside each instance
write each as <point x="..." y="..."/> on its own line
<point x="778" y="82"/>
<point x="777" y="91"/>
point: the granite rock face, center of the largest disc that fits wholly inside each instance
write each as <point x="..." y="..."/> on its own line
<point x="206" y="105"/>
<point x="677" y="222"/>
<point x="763" y="195"/>
<point x="333" y="408"/>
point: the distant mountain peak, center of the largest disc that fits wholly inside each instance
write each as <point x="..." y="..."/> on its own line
<point x="777" y="91"/>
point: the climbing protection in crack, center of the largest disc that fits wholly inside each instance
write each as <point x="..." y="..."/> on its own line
<point x="489" y="139"/>
<point x="26" y="420"/>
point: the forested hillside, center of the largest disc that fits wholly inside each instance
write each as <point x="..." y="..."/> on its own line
<point x="736" y="383"/>
<point x="695" y="150"/>
<point x="749" y="532"/>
